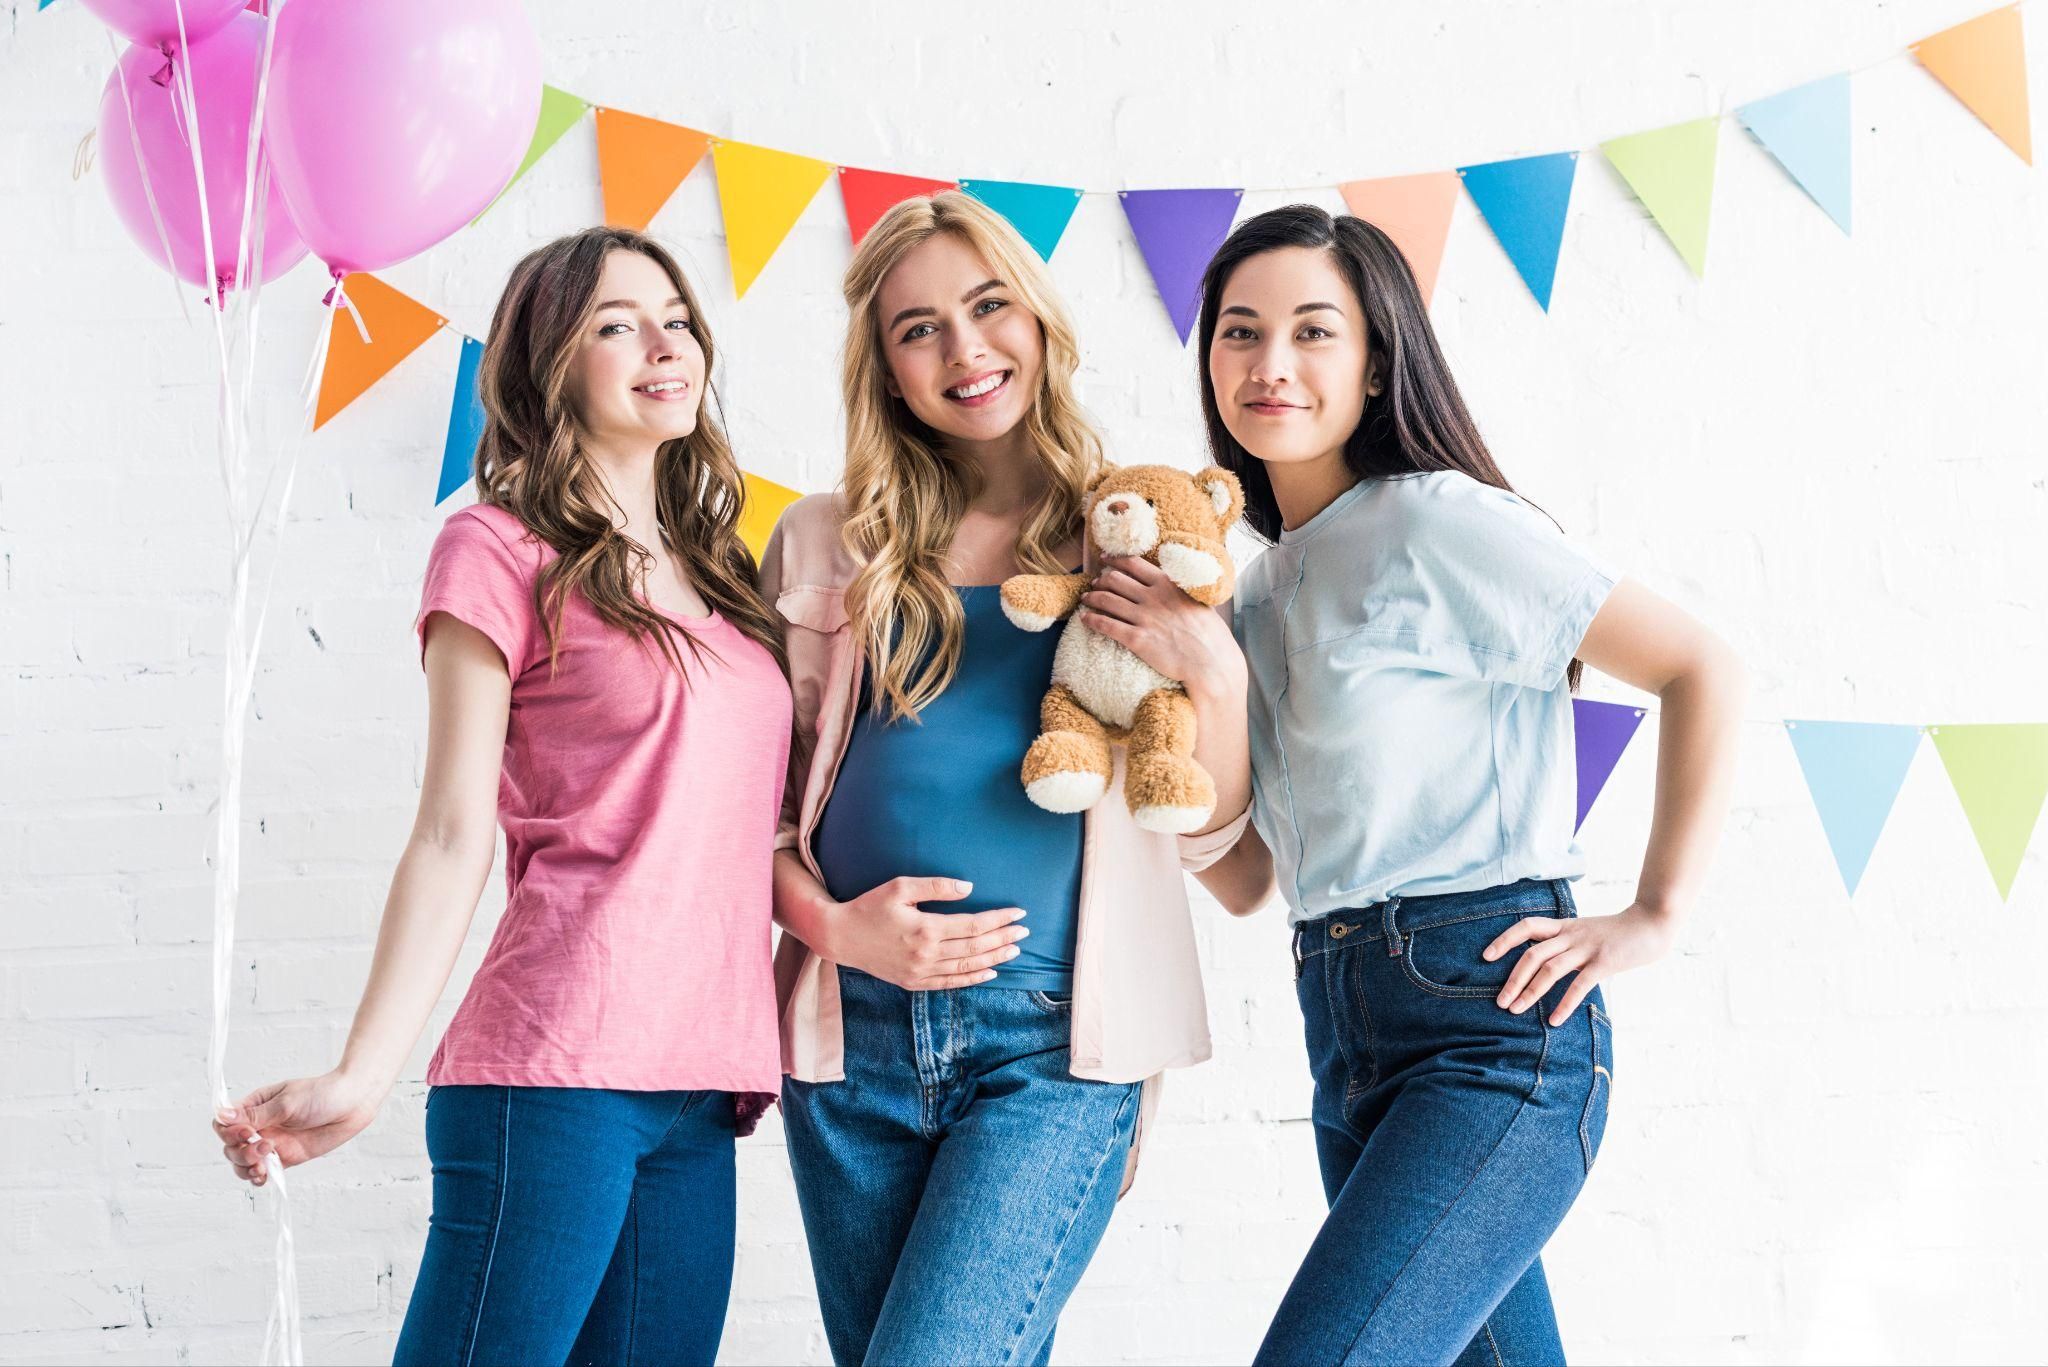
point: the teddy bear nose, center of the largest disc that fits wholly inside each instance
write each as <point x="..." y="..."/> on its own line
<point x="1119" y="505"/>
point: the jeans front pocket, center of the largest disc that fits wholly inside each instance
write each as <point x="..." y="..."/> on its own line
<point x="1593" y="1121"/>
<point x="1056" y="1003"/>
<point x="1447" y="960"/>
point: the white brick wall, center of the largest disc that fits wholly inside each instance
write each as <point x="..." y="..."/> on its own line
<point x="1825" y="1142"/>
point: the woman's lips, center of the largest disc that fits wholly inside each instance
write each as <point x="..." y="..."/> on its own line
<point x="981" y="400"/>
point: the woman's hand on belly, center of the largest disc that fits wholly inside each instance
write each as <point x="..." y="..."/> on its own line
<point x="886" y="933"/>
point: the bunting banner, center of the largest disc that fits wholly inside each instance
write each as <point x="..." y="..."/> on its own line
<point x="2000" y="774"/>
<point x="1806" y="129"/>
<point x="1671" y="171"/>
<point x="1178" y="231"/>
<point x="1038" y="212"/>
<point x="1983" y="62"/>
<point x="465" y="423"/>
<point x="761" y="194"/>
<point x="1524" y="202"/>
<point x="765" y="502"/>
<point x="1601" y="731"/>
<point x="559" y="112"/>
<point x="396" y="324"/>
<point x="1415" y="211"/>
<point x="1854" y="771"/>
<point x="640" y="162"/>
<point x="870" y="194"/>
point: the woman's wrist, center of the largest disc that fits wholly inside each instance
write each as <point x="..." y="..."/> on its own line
<point x="1223" y="682"/>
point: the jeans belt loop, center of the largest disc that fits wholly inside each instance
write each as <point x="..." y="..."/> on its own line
<point x="1387" y="927"/>
<point x="1297" y="952"/>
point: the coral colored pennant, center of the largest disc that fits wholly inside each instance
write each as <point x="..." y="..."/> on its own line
<point x="1039" y="212"/>
<point x="559" y="111"/>
<point x="1672" y="172"/>
<point x="1524" y="202"/>
<point x="640" y="162"/>
<point x="761" y="194"/>
<point x="1178" y="231"/>
<point x="1854" y="771"/>
<point x="1984" y="62"/>
<point x="2000" y="773"/>
<point x="465" y="423"/>
<point x="765" y="501"/>
<point x="1415" y="211"/>
<point x="870" y="194"/>
<point x="1601" y="731"/>
<point x="1806" y="129"/>
<point x="397" y="324"/>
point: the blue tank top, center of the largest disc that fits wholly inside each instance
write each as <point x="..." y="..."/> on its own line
<point x="941" y="798"/>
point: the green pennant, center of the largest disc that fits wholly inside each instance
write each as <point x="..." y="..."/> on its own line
<point x="2000" y="773"/>
<point x="559" y="111"/>
<point x="1672" y="172"/>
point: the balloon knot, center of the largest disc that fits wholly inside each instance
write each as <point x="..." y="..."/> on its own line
<point x="162" y="75"/>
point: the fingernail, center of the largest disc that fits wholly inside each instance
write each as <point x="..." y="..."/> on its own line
<point x="224" y="1114"/>
<point x="962" y="885"/>
<point x="1011" y="952"/>
<point x="1022" y="931"/>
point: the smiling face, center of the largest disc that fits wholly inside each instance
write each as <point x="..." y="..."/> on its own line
<point x="963" y="352"/>
<point x="1290" y="361"/>
<point x="637" y="378"/>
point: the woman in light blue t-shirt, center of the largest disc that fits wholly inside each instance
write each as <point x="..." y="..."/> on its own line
<point x="1414" y="633"/>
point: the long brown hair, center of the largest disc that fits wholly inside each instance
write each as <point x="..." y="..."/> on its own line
<point x="1418" y="424"/>
<point x="530" y="462"/>
<point x="906" y="491"/>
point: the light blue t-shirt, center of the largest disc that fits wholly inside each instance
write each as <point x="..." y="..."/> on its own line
<point x="1411" y="726"/>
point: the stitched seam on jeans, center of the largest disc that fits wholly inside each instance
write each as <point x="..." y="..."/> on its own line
<point x="632" y="1232"/>
<point x="483" y="1283"/>
<point x="1371" y="1041"/>
<point x="1330" y="965"/>
<point x="1494" y="1345"/>
<point x="1131" y="1089"/>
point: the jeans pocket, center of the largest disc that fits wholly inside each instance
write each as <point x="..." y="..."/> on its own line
<point x="1446" y="961"/>
<point x="1056" y="1003"/>
<point x="1593" y="1121"/>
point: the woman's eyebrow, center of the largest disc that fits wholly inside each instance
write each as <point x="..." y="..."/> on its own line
<point x="632" y="304"/>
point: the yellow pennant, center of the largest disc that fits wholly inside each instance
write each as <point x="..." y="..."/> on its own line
<point x="765" y="501"/>
<point x="761" y="194"/>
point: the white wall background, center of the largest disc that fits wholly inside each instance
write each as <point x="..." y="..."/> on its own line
<point x="1825" y="1141"/>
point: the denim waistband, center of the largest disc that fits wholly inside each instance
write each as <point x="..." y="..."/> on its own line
<point x="1406" y="915"/>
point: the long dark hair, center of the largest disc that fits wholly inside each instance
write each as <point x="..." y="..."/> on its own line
<point x="1418" y="423"/>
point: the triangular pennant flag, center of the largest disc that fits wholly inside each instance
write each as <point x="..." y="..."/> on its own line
<point x="46" y="4"/>
<point x="465" y="423"/>
<point x="870" y="194"/>
<point x="397" y="324"/>
<point x="765" y="501"/>
<point x="1524" y="202"/>
<point x="640" y="161"/>
<point x="1854" y="771"/>
<point x="1415" y="211"/>
<point x="761" y="193"/>
<point x="1601" y="731"/>
<point x="1039" y="212"/>
<point x="1178" y="231"/>
<point x="559" y="111"/>
<point x="1807" y="129"/>
<point x="2000" y="773"/>
<point x="1672" y="172"/>
<point x="1984" y="62"/>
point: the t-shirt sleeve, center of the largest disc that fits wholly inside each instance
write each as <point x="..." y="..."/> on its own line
<point x="1506" y="588"/>
<point x="479" y="579"/>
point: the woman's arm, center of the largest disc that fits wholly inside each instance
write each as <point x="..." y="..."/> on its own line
<point x="1700" y="685"/>
<point x="884" y="932"/>
<point x="426" y="915"/>
<point x="1241" y="880"/>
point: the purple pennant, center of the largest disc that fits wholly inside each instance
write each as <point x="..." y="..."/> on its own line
<point x="1603" y="730"/>
<point x="1178" y="231"/>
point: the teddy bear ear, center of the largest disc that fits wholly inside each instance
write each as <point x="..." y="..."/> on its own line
<point x="1226" y="495"/>
<point x="1103" y="472"/>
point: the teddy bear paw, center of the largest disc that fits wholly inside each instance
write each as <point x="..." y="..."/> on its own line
<point x="1067" y="792"/>
<point x="1188" y="567"/>
<point x="1172" y="820"/>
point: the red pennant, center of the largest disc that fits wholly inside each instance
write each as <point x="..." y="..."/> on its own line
<point x="870" y="194"/>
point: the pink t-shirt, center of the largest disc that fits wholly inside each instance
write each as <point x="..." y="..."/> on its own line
<point x="639" y="810"/>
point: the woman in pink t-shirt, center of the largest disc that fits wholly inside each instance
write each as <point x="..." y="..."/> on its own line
<point x="603" y="681"/>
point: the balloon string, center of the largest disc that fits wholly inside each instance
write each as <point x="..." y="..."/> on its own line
<point x="156" y="216"/>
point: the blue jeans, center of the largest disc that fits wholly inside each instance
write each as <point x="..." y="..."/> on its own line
<point x="956" y="1183"/>
<point x="574" y="1225"/>
<point x="1453" y="1136"/>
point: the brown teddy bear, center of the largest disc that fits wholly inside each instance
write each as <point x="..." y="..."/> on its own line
<point x="1101" y="692"/>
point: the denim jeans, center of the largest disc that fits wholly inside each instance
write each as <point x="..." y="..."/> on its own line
<point x="1453" y="1135"/>
<point x="955" y="1184"/>
<point x="574" y="1225"/>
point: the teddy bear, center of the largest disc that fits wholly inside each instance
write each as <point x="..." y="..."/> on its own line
<point x="1101" y="692"/>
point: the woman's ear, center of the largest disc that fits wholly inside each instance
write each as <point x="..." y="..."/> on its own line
<point x="1226" y="495"/>
<point x="1374" y="385"/>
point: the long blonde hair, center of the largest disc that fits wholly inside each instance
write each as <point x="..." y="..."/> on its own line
<point x="906" y="493"/>
<point x="530" y="463"/>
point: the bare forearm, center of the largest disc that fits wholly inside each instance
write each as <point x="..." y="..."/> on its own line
<point x="1697" y="746"/>
<point x="1222" y="742"/>
<point x="1241" y="880"/>
<point x="802" y="905"/>
<point x="426" y="917"/>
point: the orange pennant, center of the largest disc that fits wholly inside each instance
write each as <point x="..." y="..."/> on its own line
<point x="1413" y="210"/>
<point x="397" y="324"/>
<point x="1984" y="62"/>
<point x="640" y="161"/>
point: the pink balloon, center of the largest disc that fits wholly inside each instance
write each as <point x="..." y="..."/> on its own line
<point x="154" y="23"/>
<point x="394" y="122"/>
<point x="224" y="70"/>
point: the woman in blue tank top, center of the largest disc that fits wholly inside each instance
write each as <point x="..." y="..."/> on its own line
<point x="1413" y="635"/>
